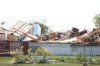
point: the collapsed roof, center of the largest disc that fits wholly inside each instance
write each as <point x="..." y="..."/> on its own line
<point x="18" y="27"/>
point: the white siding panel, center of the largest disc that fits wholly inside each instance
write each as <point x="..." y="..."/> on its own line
<point x="36" y="29"/>
<point x="66" y="49"/>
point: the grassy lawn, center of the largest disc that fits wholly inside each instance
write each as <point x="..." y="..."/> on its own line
<point x="57" y="64"/>
<point x="94" y="57"/>
<point x="6" y="61"/>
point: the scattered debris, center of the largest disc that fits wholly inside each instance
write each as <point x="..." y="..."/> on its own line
<point x="22" y="31"/>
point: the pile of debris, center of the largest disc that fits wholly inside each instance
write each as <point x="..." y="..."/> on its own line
<point x="75" y="36"/>
<point x="16" y="30"/>
<point x="93" y="36"/>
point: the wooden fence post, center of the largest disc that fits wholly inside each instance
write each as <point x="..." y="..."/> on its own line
<point x="25" y="46"/>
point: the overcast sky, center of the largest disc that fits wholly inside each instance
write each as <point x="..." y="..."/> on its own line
<point x="59" y="14"/>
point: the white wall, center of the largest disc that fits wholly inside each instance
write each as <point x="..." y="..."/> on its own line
<point x="67" y="49"/>
<point x="36" y="29"/>
<point x="59" y="49"/>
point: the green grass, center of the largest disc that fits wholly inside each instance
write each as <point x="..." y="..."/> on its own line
<point x="57" y="64"/>
<point x="5" y="61"/>
<point x="74" y="57"/>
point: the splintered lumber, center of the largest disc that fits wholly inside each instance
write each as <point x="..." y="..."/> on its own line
<point x="31" y="36"/>
<point x="88" y="37"/>
<point x="95" y="31"/>
<point x="28" y="35"/>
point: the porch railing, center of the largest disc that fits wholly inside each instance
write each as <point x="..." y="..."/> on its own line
<point x="8" y="47"/>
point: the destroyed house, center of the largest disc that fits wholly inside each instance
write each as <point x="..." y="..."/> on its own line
<point x="17" y="27"/>
<point x="13" y="35"/>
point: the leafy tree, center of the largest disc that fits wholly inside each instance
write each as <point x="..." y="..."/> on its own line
<point x="44" y="28"/>
<point x="96" y="20"/>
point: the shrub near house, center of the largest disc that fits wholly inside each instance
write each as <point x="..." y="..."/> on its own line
<point x="41" y="51"/>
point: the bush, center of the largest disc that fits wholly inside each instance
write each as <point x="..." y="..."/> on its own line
<point x="42" y="61"/>
<point x="81" y="58"/>
<point x="98" y="61"/>
<point x="62" y="59"/>
<point x="41" y="51"/>
<point x="19" y="56"/>
<point x="94" y="61"/>
<point x="70" y="60"/>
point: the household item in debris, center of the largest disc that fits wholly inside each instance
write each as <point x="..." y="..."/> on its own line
<point x="12" y="37"/>
<point x="52" y="35"/>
